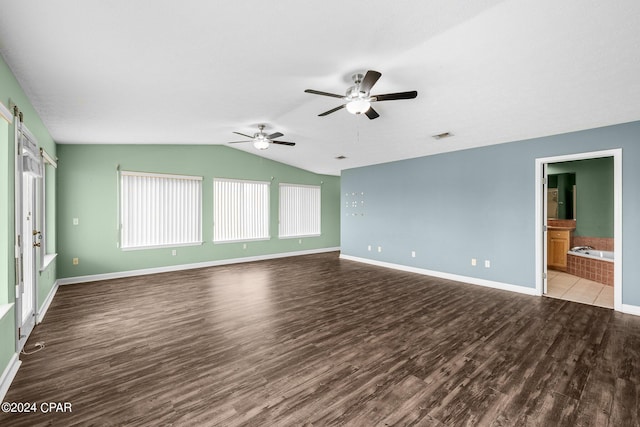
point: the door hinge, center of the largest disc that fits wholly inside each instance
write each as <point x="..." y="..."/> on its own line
<point x="544" y="275"/>
<point x="18" y="271"/>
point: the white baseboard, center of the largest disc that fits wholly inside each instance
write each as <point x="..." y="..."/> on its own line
<point x="47" y="303"/>
<point x="8" y="375"/>
<point x="449" y="276"/>
<point x="144" y="271"/>
<point x="630" y="309"/>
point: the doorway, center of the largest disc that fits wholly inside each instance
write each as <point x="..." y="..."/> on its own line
<point x="28" y="180"/>
<point x="542" y="274"/>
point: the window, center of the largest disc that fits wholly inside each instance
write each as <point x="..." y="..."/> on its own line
<point x="160" y="210"/>
<point x="240" y="210"/>
<point x="47" y="209"/>
<point x="299" y="210"/>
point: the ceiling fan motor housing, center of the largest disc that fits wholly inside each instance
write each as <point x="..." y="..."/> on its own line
<point x="354" y="91"/>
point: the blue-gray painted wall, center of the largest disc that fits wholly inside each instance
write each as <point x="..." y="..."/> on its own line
<point x="477" y="203"/>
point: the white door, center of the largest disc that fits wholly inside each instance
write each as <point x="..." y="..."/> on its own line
<point x="29" y="264"/>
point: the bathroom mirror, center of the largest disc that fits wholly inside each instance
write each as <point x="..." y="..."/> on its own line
<point x="561" y="196"/>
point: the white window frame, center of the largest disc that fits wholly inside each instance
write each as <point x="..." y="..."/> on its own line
<point x="244" y="227"/>
<point x="299" y="206"/>
<point x="46" y="256"/>
<point x="178" y="238"/>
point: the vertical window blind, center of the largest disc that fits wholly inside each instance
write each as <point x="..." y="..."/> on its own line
<point x="160" y="210"/>
<point x="240" y="210"/>
<point x="300" y="213"/>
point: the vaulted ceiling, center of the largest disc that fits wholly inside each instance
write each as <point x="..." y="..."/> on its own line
<point x="191" y="72"/>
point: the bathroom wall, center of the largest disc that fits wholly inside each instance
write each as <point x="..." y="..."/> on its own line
<point x="594" y="184"/>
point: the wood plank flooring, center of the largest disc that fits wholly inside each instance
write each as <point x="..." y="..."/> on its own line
<point x="319" y="341"/>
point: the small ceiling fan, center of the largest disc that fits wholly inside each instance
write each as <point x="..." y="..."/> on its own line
<point x="261" y="140"/>
<point x="358" y="98"/>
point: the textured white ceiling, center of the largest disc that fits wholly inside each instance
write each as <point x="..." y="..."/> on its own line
<point x="191" y="72"/>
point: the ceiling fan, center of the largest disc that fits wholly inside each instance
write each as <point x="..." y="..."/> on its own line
<point x="358" y="99"/>
<point x="261" y="140"/>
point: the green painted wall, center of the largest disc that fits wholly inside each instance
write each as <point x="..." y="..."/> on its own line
<point x="594" y="199"/>
<point x="11" y="93"/>
<point x="87" y="189"/>
<point x="6" y="217"/>
<point x="7" y="334"/>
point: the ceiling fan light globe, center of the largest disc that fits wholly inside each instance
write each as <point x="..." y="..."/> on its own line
<point x="358" y="106"/>
<point x="261" y="144"/>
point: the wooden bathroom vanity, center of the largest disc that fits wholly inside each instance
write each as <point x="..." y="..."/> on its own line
<point x="558" y="243"/>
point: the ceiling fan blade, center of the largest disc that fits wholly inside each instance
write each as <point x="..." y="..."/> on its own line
<point x="317" y="92"/>
<point x="371" y="113"/>
<point x="291" y="144"/>
<point x="369" y="80"/>
<point x="236" y="142"/>
<point x="245" y="135"/>
<point x="394" y="96"/>
<point x="331" y="111"/>
<point x="275" y="135"/>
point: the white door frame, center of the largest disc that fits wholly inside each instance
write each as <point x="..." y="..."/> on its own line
<point x="541" y="243"/>
<point x="18" y="234"/>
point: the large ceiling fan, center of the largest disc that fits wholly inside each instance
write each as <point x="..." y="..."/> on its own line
<point x="261" y="140"/>
<point x="358" y="98"/>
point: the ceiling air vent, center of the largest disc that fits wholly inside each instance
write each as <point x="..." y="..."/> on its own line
<point x="442" y="135"/>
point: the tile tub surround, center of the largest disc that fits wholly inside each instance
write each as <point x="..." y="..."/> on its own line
<point x="599" y="243"/>
<point x="590" y="268"/>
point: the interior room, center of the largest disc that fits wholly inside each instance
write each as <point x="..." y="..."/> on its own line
<point x="580" y="268"/>
<point x="347" y="213"/>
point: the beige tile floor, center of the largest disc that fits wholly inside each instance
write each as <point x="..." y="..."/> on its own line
<point x="573" y="288"/>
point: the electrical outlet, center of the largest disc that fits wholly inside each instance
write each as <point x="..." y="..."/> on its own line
<point x="413" y="254"/>
<point x="369" y="248"/>
<point x="379" y="248"/>
<point x="76" y="221"/>
<point x="299" y="241"/>
<point x="174" y="252"/>
<point x="474" y="262"/>
<point x="76" y="261"/>
<point x="487" y="263"/>
<point x="244" y="246"/>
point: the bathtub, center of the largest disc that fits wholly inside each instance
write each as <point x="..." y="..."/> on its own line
<point x="591" y="264"/>
<point x="593" y="253"/>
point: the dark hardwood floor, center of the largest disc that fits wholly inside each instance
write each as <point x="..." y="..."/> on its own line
<point x="315" y="340"/>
